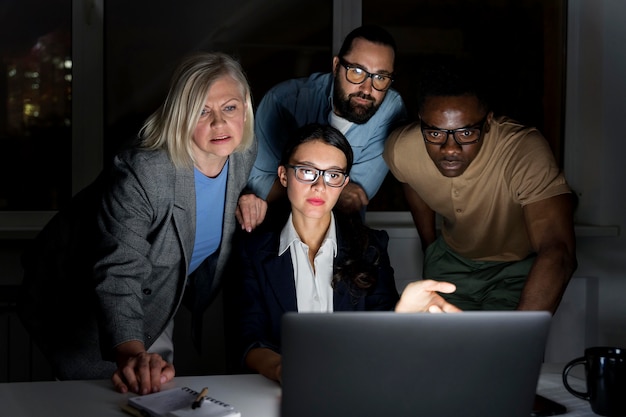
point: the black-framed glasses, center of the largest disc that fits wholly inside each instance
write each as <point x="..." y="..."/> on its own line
<point x="309" y="175"/>
<point x="357" y="75"/>
<point x="462" y="136"/>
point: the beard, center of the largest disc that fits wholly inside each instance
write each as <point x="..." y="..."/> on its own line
<point x="354" y="113"/>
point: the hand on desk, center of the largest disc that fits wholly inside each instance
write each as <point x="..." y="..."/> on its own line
<point x="139" y="371"/>
<point x="422" y="296"/>
<point x="266" y="362"/>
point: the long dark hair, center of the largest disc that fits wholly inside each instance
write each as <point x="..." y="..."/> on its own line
<point x="359" y="268"/>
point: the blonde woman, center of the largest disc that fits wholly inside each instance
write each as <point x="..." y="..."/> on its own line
<point x="168" y="217"/>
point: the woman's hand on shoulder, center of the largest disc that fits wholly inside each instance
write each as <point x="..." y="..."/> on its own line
<point x="250" y="211"/>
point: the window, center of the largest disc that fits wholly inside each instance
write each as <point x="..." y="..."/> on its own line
<point x="65" y="101"/>
<point x="289" y="39"/>
<point x="35" y="107"/>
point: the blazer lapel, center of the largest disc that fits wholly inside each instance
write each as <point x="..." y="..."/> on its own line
<point x="278" y="271"/>
<point x="184" y="211"/>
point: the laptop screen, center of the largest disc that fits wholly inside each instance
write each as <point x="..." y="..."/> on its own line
<point x="483" y="364"/>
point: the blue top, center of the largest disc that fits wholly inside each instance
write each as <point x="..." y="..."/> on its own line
<point x="210" y="197"/>
<point x="294" y="103"/>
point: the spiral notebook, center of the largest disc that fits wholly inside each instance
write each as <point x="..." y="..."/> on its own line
<point x="177" y="402"/>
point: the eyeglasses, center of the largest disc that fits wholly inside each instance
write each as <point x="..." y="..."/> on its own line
<point x="356" y="75"/>
<point x="462" y="136"/>
<point x="309" y="175"/>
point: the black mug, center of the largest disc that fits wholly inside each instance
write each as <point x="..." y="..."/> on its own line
<point x="605" y="371"/>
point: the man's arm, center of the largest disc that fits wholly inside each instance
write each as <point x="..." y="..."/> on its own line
<point x="423" y="216"/>
<point x="550" y="227"/>
<point x="352" y="199"/>
<point x="368" y="143"/>
<point x="266" y="362"/>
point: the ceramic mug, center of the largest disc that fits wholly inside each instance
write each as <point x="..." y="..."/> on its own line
<point x="605" y="372"/>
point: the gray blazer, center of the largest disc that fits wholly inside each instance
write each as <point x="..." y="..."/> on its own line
<point x="147" y="223"/>
<point x="141" y="242"/>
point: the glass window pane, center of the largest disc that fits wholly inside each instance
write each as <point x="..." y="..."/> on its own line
<point x="35" y="105"/>
<point x="143" y="44"/>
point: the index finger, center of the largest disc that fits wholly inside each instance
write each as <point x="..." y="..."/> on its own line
<point x="439" y="286"/>
<point x="247" y="209"/>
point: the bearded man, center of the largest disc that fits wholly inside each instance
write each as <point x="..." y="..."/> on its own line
<point x="355" y="98"/>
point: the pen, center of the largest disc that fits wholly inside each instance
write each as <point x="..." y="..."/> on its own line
<point x="133" y="411"/>
<point x="198" y="402"/>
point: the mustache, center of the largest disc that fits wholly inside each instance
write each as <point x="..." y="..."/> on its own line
<point x="362" y="96"/>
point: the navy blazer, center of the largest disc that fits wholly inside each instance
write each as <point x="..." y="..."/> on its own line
<point x="268" y="286"/>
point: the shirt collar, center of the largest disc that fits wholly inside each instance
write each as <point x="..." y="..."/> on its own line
<point x="288" y="236"/>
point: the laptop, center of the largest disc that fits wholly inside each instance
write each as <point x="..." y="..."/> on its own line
<point x="344" y="364"/>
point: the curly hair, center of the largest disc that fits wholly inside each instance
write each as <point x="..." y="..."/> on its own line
<point x="450" y="78"/>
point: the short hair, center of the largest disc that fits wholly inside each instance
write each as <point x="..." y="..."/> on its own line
<point x="451" y="78"/>
<point x="324" y="133"/>
<point x="372" y="33"/>
<point x="171" y="127"/>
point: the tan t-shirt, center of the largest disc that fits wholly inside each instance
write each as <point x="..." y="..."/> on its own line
<point x="482" y="208"/>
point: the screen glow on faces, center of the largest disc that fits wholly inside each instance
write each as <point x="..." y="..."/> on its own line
<point x="359" y="102"/>
<point x="314" y="200"/>
<point x="220" y="128"/>
<point x="449" y="113"/>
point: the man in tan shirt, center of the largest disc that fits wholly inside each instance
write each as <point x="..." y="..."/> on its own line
<point x="507" y="237"/>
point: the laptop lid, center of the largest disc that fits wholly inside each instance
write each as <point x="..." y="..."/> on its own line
<point x="343" y="364"/>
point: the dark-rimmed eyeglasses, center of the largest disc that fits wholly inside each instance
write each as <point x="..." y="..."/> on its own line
<point x="462" y="136"/>
<point x="309" y="175"/>
<point x="357" y="75"/>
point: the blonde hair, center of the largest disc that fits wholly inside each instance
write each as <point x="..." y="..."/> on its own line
<point x="172" y="125"/>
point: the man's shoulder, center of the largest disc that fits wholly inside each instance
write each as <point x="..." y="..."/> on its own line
<point x="404" y="133"/>
<point x="314" y="82"/>
<point x="513" y="136"/>
<point x="392" y="108"/>
<point x="510" y="128"/>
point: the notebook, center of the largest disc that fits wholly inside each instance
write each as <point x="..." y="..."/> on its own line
<point x="178" y="402"/>
<point x="483" y="364"/>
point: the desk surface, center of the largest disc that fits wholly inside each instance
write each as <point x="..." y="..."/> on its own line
<point x="253" y="395"/>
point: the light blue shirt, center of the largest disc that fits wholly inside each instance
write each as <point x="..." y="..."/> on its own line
<point x="210" y="198"/>
<point x="297" y="102"/>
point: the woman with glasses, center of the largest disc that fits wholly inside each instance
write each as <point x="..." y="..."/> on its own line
<point x="321" y="260"/>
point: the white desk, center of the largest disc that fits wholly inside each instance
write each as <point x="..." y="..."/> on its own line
<point x="253" y="395"/>
<point x="551" y="386"/>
